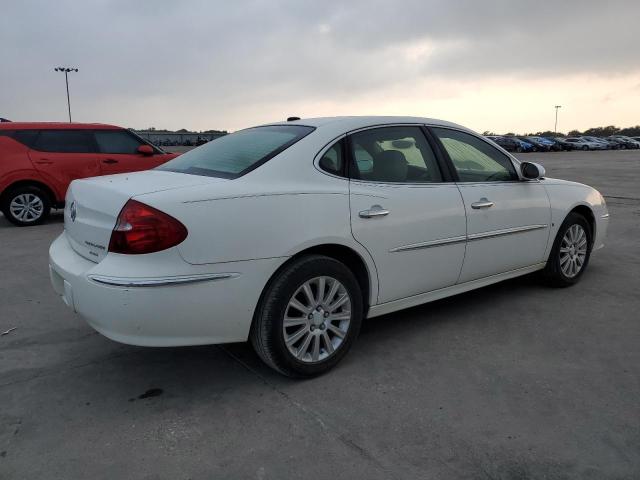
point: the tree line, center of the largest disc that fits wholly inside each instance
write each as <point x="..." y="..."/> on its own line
<point x="593" y="132"/>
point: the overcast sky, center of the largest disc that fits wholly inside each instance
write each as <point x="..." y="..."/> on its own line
<point x="490" y="64"/>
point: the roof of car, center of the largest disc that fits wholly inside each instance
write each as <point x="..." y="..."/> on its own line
<point x="55" y="126"/>
<point x="355" y="122"/>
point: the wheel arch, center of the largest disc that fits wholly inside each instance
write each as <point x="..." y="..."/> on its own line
<point x="30" y="183"/>
<point x="344" y="254"/>
<point x="589" y="216"/>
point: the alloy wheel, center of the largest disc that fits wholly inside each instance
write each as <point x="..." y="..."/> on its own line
<point x="573" y="250"/>
<point x="26" y="207"/>
<point x="317" y="319"/>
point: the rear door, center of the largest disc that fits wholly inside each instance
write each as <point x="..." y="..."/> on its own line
<point x="118" y="152"/>
<point x="64" y="155"/>
<point x="508" y="219"/>
<point x="404" y="212"/>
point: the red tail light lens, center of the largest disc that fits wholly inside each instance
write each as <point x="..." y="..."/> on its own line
<point x="144" y="229"/>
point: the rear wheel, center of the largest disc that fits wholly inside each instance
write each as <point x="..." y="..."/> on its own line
<point x="26" y="205"/>
<point x="570" y="253"/>
<point x="585" y="148"/>
<point x="309" y="317"/>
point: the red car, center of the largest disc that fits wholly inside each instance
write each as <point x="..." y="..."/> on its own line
<point x="39" y="160"/>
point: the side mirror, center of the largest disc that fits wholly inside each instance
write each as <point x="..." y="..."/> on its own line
<point x="145" y="150"/>
<point x="532" y="171"/>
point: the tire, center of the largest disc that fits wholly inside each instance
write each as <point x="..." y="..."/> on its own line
<point x="269" y="334"/>
<point x="37" y="201"/>
<point x="558" y="272"/>
<point x="519" y="149"/>
<point x="585" y="148"/>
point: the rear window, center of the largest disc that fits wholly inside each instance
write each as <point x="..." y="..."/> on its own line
<point x="238" y="153"/>
<point x="65" y="141"/>
<point x="26" y="137"/>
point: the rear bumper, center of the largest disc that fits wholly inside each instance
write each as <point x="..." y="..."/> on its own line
<point x="209" y="304"/>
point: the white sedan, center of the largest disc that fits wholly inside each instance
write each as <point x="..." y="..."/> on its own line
<point x="290" y="234"/>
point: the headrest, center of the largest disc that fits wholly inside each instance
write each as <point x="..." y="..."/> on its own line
<point x="390" y="166"/>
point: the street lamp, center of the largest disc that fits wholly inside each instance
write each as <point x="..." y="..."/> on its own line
<point x="555" y="128"/>
<point x="66" y="71"/>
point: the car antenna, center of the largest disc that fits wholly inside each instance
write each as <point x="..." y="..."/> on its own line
<point x="292" y="119"/>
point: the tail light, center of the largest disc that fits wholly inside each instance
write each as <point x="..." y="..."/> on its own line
<point x="144" y="229"/>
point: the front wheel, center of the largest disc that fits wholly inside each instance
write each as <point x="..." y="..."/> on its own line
<point x="26" y="205"/>
<point x="309" y="317"/>
<point x="570" y="253"/>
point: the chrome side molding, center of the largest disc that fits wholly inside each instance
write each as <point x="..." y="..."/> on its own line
<point x="432" y="243"/>
<point x="467" y="238"/>
<point x="506" y="231"/>
<point x="159" y="281"/>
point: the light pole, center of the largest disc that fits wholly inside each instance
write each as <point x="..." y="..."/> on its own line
<point x="66" y="71"/>
<point x="555" y="128"/>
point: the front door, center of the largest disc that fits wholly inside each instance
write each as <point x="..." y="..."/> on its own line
<point x="409" y="219"/>
<point x="118" y="152"/>
<point x="508" y="220"/>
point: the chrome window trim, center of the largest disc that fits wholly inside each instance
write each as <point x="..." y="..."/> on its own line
<point x="159" y="281"/>
<point x="323" y="150"/>
<point x="467" y="238"/>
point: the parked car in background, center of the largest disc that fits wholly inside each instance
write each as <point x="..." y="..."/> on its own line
<point x="637" y="139"/>
<point x="625" y="142"/>
<point x="537" y="145"/>
<point x="508" y="143"/>
<point x="39" y="160"/>
<point x="580" y="143"/>
<point x="547" y="145"/>
<point x="607" y="143"/>
<point x="524" y="146"/>
<point x="561" y="143"/>
<point x="290" y="234"/>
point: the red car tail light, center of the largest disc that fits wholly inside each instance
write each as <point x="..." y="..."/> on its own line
<point x="144" y="229"/>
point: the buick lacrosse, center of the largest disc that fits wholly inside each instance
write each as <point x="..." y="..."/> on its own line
<point x="290" y="234"/>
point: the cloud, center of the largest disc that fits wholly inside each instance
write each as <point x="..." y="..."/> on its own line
<point x="200" y="63"/>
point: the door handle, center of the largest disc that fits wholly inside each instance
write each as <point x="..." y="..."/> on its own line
<point x="110" y="161"/>
<point x="374" y="211"/>
<point x="482" y="203"/>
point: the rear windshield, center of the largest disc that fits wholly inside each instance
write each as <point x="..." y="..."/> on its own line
<point x="238" y="153"/>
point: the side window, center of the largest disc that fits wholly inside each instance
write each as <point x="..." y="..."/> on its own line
<point x="65" y="141"/>
<point x="116" y="141"/>
<point x="332" y="161"/>
<point x="26" y="137"/>
<point x="394" y="154"/>
<point x="474" y="159"/>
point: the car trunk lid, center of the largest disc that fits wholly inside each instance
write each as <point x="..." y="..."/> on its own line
<point x="92" y="205"/>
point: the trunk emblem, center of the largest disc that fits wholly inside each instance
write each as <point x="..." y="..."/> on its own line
<point x="73" y="211"/>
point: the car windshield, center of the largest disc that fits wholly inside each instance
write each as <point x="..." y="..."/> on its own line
<point x="236" y="154"/>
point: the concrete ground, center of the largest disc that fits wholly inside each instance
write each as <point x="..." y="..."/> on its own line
<point x="513" y="381"/>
